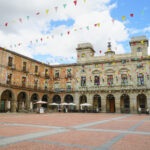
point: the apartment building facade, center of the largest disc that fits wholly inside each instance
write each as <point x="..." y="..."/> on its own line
<point x="110" y="83"/>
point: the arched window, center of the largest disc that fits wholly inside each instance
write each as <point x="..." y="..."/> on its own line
<point x="139" y="49"/>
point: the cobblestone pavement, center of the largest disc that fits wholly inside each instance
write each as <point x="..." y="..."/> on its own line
<point x="74" y="131"/>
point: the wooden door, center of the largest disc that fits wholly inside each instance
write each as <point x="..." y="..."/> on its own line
<point x="112" y="106"/>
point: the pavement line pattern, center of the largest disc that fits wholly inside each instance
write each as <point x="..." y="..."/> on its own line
<point x="108" y="144"/>
<point x="116" y="131"/>
<point x="2" y="137"/>
<point x="30" y="125"/>
<point x="98" y="122"/>
<point x="5" y="141"/>
<point x="20" y="138"/>
<point x="64" y="144"/>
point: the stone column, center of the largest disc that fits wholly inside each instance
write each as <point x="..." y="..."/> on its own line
<point x="27" y="107"/>
<point x="77" y="99"/>
<point x="133" y="103"/>
<point x="103" y="103"/>
<point x="0" y="102"/>
<point x="89" y="98"/>
<point x="117" y="102"/>
<point x="148" y="100"/>
<point x="13" y="105"/>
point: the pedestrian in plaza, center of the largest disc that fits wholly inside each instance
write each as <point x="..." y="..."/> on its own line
<point x="97" y="109"/>
<point x="139" y="110"/>
<point x="147" y="111"/>
<point x="66" y="110"/>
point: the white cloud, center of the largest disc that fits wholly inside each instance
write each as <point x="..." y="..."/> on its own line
<point x="84" y="14"/>
<point x="147" y="29"/>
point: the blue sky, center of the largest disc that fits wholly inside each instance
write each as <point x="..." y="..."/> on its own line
<point x="67" y="19"/>
<point x="141" y="19"/>
<point x="136" y="24"/>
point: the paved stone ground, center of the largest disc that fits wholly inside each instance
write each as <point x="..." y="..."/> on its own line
<point x="74" y="131"/>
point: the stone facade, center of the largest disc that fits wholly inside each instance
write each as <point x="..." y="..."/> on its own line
<point x="110" y="83"/>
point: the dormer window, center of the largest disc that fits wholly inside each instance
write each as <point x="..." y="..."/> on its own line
<point x="139" y="49"/>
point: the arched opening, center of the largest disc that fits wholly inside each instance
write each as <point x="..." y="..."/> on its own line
<point x="96" y="103"/>
<point x="125" y="103"/>
<point x="57" y="99"/>
<point x="83" y="99"/>
<point x="68" y="99"/>
<point x="6" y="101"/>
<point x="21" y="101"/>
<point x="142" y="102"/>
<point x="45" y="99"/>
<point x="34" y="98"/>
<point x="110" y="103"/>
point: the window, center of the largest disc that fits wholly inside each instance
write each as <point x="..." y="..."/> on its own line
<point x="68" y="73"/>
<point x="139" y="49"/>
<point x="96" y="80"/>
<point x="140" y="79"/>
<point x="110" y="80"/>
<point x="24" y="66"/>
<point x="35" y="83"/>
<point x="82" y="69"/>
<point x="57" y="74"/>
<point x="23" y="81"/>
<point x="36" y="69"/>
<point x="9" y="78"/>
<point x="10" y="60"/>
<point x="68" y="84"/>
<point x="46" y="72"/>
<point x="123" y="61"/>
<point x="140" y="66"/>
<point x="83" y="81"/>
<point x="46" y="85"/>
<point x="109" y="64"/>
<point x="56" y="85"/>
<point x="124" y="79"/>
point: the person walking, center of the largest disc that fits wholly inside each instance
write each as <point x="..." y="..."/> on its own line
<point x="139" y="110"/>
<point x="147" y="111"/>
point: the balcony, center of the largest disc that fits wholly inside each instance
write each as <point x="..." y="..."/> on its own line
<point x="59" y="90"/>
<point x="37" y="74"/>
<point x="56" y="78"/>
<point x="68" y="89"/>
<point x="46" y="88"/>
<point x="23" y="85"/>
<point x="69" y="76"/>
<point x="124" y="84"/>
<point x="8" y="82"/>
<point x="35" y="87"/>
<point x="27" y="87"/>
<point x="25" y="70"/>
<point x="106" y="88"/>
<point x="47" y="76"/>
<point x="11" y="67"/>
